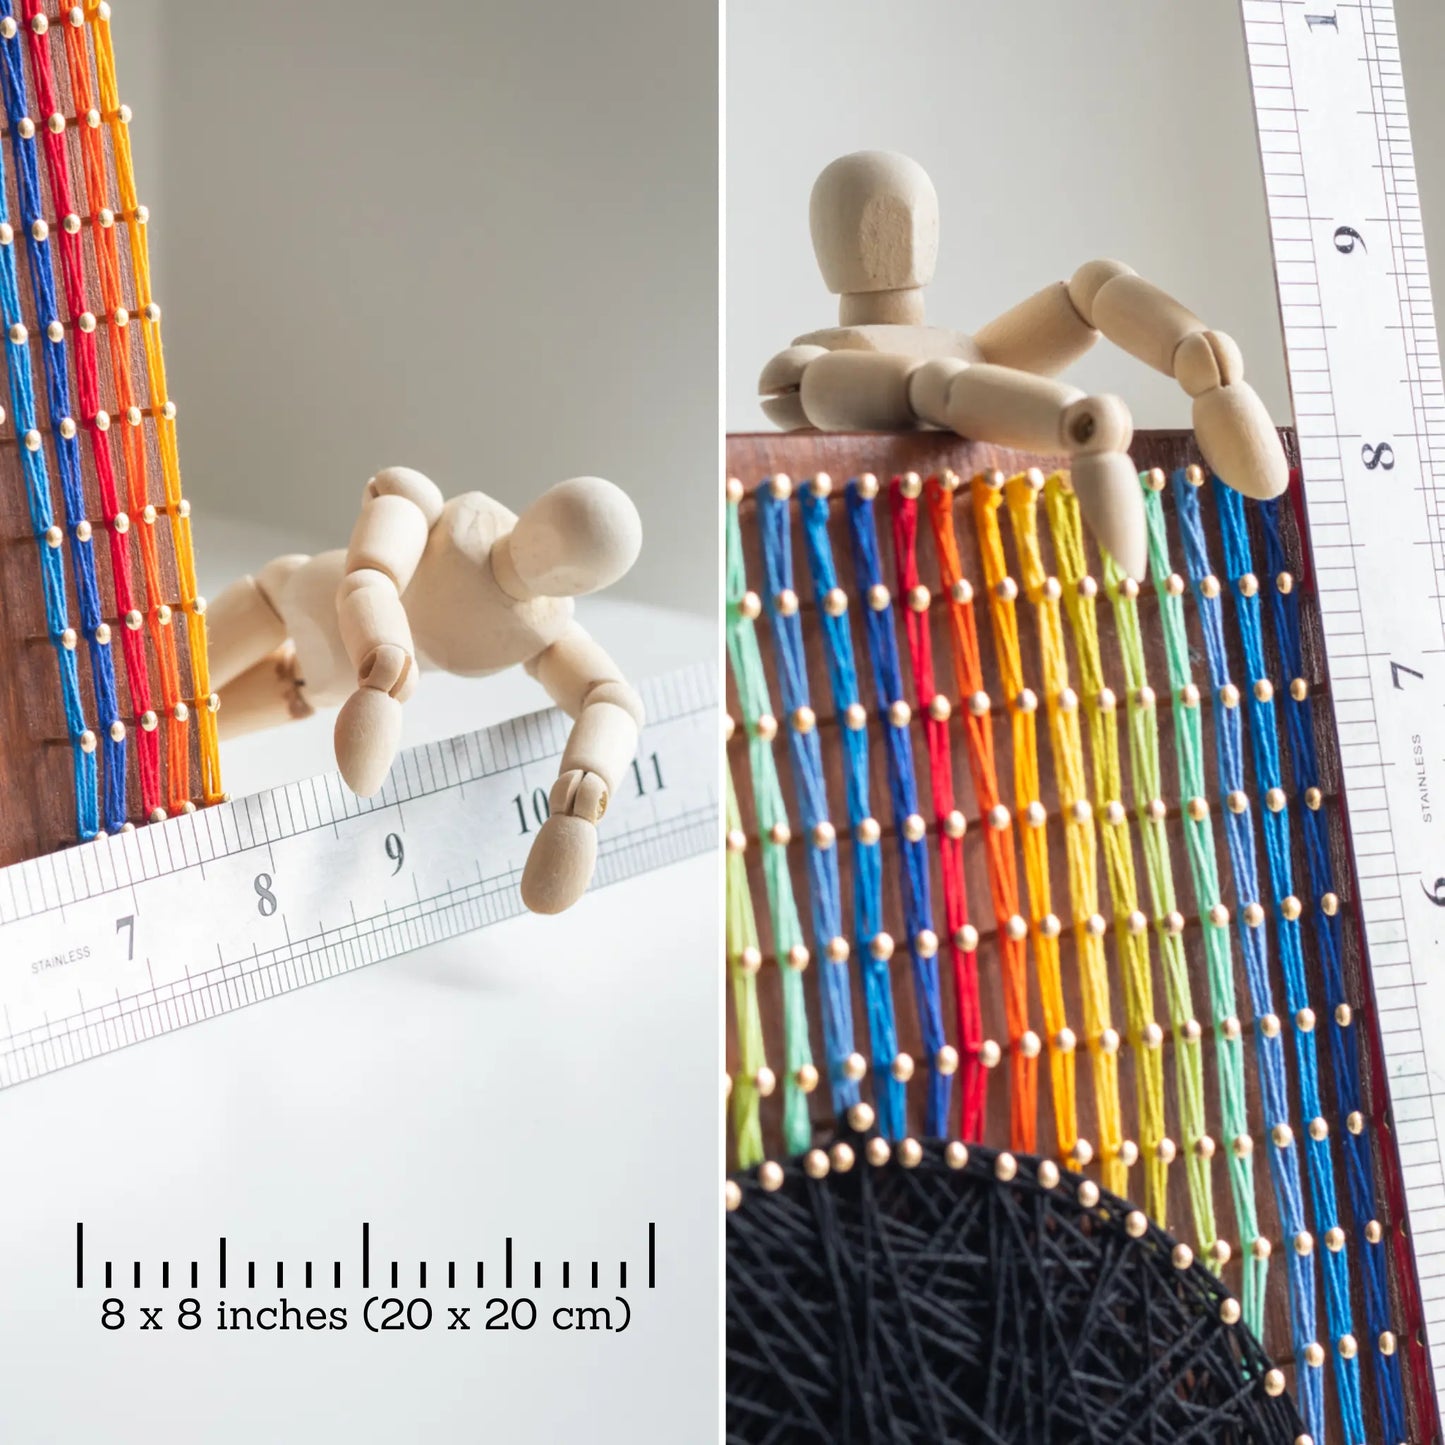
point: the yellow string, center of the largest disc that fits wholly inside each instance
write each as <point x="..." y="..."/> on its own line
<point x="162" y="413"/>
<point x="1080" y="841"/>
<point x="1131" y="927"/>
<point x="1022" y="707"/>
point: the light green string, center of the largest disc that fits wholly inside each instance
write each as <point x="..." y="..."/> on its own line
<point x="1204" y="872"/>
<point x="772" y="814"/>
<point x="742" y="951"/>
<point x="1130" y="933"/>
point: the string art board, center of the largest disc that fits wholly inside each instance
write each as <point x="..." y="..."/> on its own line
<point x="1027" y="853"/>
<point x="107" y="718"/>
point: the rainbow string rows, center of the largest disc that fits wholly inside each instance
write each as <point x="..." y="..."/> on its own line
<point x="1099" y="757"/>
<point x="76" y="427"/>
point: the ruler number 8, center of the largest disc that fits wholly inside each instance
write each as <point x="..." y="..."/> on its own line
<point x="265" y="899"/>
<point x="1381" y="455"/>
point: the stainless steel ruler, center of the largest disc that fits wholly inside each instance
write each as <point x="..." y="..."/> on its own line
<point x="1364" y="368"/>
<point x="117" y="941"/>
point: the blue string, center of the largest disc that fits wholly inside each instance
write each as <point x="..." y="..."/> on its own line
<point x="42" y="518"/>
<point x="882" y="644"/>
<point x="1239" y="837"/>
<point x="1264" y="739"/>
<point x="806" y="754"/>
<point x="1344" y="1046"/>
<point x="867" y="857"/>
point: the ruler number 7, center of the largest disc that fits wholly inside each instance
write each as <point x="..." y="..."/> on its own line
<point x="1396" y="668"/>
<point x="1324" y="22"/>
<point x="128" y="925"/>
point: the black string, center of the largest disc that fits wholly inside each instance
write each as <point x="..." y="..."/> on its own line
<point x="888" y="1306"/>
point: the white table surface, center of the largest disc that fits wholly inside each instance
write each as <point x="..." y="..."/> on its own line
<point x="555" y="1079"/>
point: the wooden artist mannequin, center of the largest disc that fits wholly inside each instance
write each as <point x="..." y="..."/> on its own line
<point x="874" y="222"/>
<point x="464" y="585"/>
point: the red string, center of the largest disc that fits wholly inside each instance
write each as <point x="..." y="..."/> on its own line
<point x="973" y="1076"/>
<point x="1002" y="868"/>
<point x="87" y="372"/>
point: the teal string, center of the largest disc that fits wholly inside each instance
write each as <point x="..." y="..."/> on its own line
<point x="772" y="815"/>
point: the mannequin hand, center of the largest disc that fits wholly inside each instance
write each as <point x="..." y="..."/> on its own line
<point x="368" y="732"/>
<point x="560" y="865"/>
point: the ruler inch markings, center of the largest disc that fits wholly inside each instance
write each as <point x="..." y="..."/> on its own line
<point x="216" y="924"/>
<point x="1364" y="370"/>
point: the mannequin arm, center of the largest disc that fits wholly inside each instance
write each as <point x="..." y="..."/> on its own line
<point x="584" y="681"/>
<point x="398" y="511"/>
<point x="1060" y="323"/>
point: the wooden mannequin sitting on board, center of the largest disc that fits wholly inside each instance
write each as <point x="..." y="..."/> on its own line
<point x="874" y="222"/>
<point x="464" y="585"/>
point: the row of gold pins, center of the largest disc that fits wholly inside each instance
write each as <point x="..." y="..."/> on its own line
<point x="103" y="633"/>
<point x="919" y="599"/>
<point x="68" y="427"/>
<point x="1108" y="1041"/>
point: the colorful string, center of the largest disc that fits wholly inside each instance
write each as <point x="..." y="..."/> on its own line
<point x="1264" y="740"/>
<point x="53" y="353"/>
<point x="94" y="419"/>
<point x="1131" y="928"/>
<point x="754" y="1079"/>
<point x="1061" y="705"/>
<point x="805" y="751"/>
<point x="138" y="516"/>
<point x="949" y="822"/>
<point x="1012" y="931"/>
<point x="908" y="823"/>
<point x="876" y="947"/>
<point x="1203" y="870"/>
<point x="48" y="535"/>
<point x="743" y="606"/>
<point x="162" y="409"/>
<point x="1326" y="931"/>
<point x="1269" y="1044"/>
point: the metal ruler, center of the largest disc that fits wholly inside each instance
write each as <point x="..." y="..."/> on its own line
<point x="1364" y="368"/>
<point x="117" y="941"/>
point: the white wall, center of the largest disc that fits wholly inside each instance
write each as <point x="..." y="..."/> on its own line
<point x="478" y="237"/>
<point x="1054" y="132"/>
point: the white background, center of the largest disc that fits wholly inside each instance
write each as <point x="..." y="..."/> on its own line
<point x="1054" y="132"/>
<point x="480" y="239"/>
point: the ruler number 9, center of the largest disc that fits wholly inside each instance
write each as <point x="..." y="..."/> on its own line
<point x="396" y="851"/>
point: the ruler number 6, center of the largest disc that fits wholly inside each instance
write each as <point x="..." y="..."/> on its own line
<point x="1438" y="896"/>
<point x="1347" y="238"/>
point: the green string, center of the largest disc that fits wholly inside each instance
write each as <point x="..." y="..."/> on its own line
<point x="1204" y="873"/>
<point x="742" y="936"/>
<point x="788" y="941"/>
<point x="1142" y="710"/>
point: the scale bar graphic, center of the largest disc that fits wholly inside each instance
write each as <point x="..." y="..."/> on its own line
<point x="141" y="1275"/>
